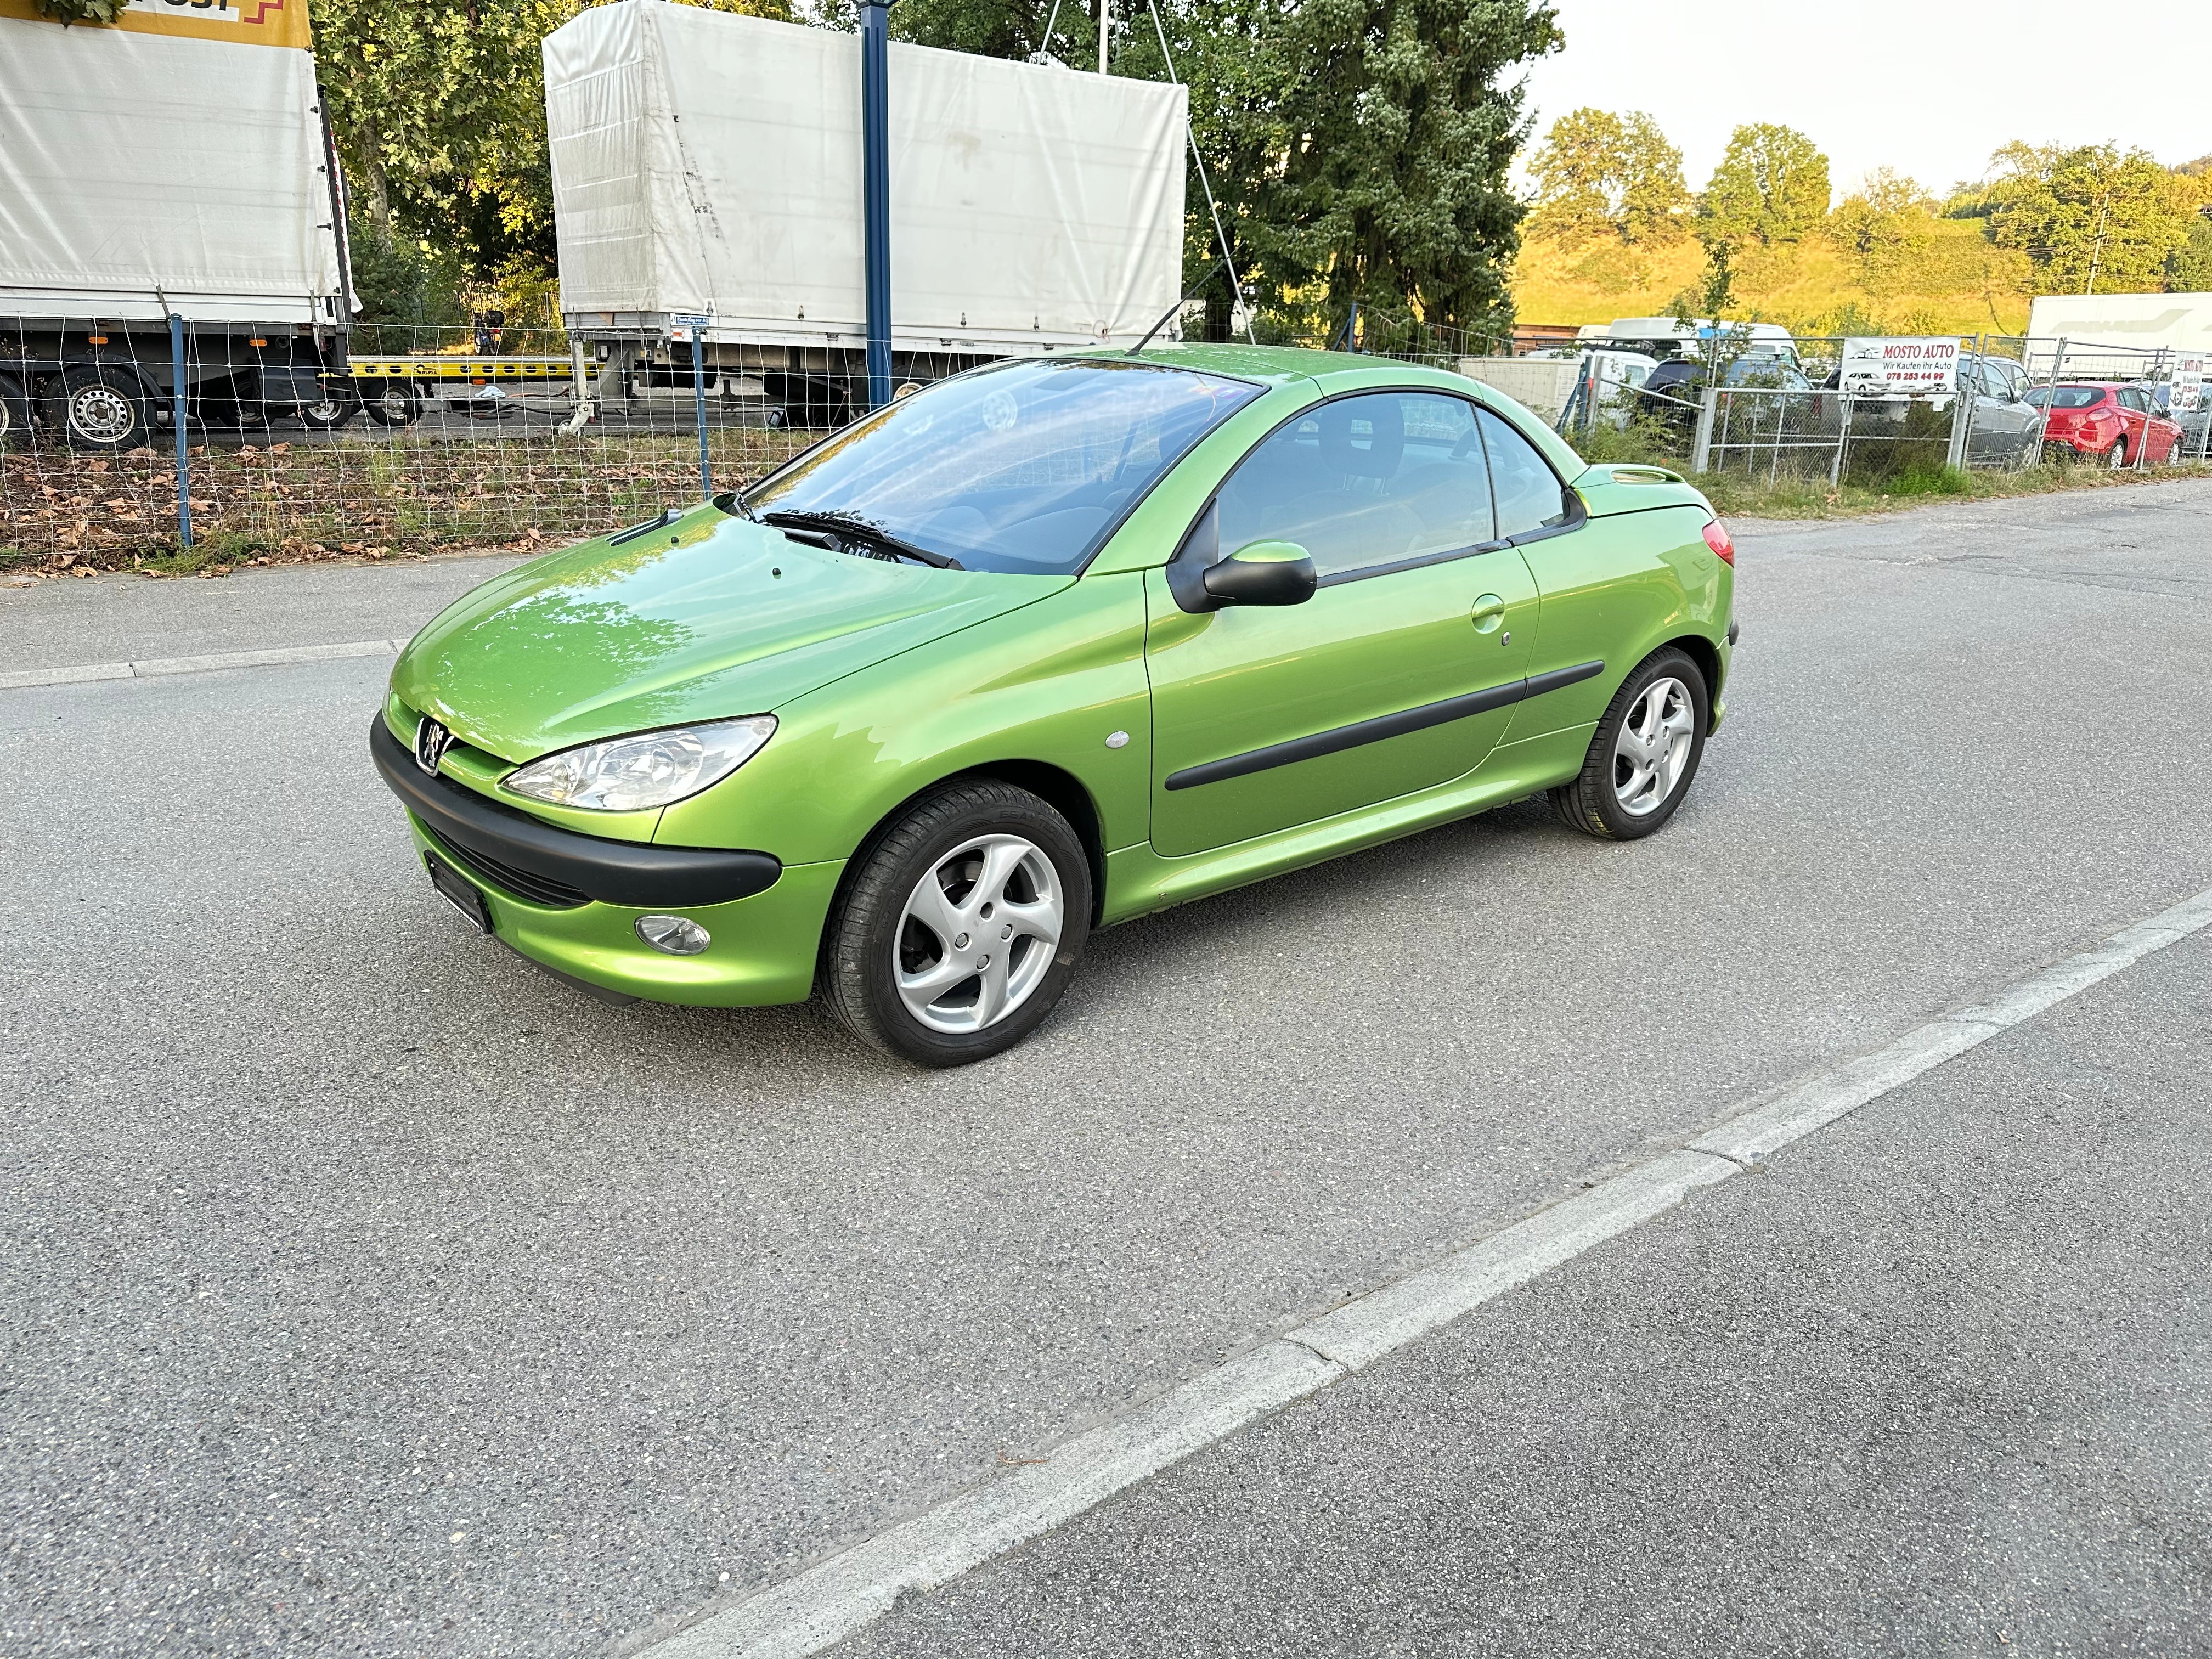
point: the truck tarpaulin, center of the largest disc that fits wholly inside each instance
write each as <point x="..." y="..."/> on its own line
<point x="707" y="162"/>
<point x="170" y="163"/>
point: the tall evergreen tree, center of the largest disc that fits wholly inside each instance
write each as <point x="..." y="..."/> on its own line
<point x="1358" y="147"/>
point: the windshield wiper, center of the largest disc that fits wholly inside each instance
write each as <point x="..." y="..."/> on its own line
<point x="862" y="531"/>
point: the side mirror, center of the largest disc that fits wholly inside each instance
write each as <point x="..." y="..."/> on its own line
<point x="1261" y="573"/>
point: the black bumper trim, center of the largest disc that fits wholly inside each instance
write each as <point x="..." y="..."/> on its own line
<point x="623" y="873"/>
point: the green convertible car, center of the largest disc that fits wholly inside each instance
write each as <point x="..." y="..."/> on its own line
<point x="1044" y="646"/>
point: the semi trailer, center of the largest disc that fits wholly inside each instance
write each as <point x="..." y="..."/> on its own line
<point x="171" y="214"/>
<point x="708" y="175"/>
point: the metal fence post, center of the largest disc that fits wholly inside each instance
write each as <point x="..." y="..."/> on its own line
<point x="1701" y="446"/>
<point x="875" y="191"/>
<point x="1842" y="440"/>
<point x="183" y="438"/>
<point x="699" y="402"/>
<point x="2050" y="396"/>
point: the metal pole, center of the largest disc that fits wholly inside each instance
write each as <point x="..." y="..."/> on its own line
<point x="876" y="191"/>
<point x="699" y="404"/>
<point x="1701" y="446"/>
<point x="2050" y="396"/>
<point x="184" y="448"/>
<point x="1105" y="31"/>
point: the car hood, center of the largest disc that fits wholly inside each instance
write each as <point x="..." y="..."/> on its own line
<point x="706" y="617"/>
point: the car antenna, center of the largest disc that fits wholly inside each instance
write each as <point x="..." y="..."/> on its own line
<point x="1189" y="294"/>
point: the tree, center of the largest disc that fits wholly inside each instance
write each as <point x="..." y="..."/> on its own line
<point x="1358" y="147"/>
<point x="1770" y="188"/>
<point x="2090" y="219"/>
<point x="438" y="108"/>
<point x="1396" y="137"/>
<point x="1600" y="175"/>
<point x="1883" y="231"/>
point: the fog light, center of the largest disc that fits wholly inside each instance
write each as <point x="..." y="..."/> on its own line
<point x="679" y="936"/>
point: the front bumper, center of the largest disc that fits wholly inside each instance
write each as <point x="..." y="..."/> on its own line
<point x="571" y="902"/>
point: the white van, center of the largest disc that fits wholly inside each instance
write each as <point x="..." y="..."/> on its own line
<point x="1670" y="336"/>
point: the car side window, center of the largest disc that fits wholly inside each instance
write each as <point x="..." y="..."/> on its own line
<point x="1529" y="494"/>
<point x="1364" y="481"/>
<point x="2131" y="399"/>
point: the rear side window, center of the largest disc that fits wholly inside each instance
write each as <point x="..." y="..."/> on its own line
<point x="1529" y="494"/>
<point x="1364" y="481"/>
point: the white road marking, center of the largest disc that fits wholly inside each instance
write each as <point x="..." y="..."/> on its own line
<point x="814" y="1609"/>
<point x="157" y="666"/>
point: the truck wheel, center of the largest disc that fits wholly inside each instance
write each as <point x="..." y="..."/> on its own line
<point x="103" y="409"/>
<point x="390" y="403"/>
<point x="15" y="409"/>
<point x="334" y="409"/>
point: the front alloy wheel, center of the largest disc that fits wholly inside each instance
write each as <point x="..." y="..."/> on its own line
<point x="959" y="925"/>
<point x="977" y="934"/>
<point x="1644" y="752"/>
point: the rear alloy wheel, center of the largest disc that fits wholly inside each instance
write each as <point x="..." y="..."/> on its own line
<point x="103" y="409"/>
<point x="962" y="927"/>
<point x="2117" y="456"/>
<point x="1644" y="752"/>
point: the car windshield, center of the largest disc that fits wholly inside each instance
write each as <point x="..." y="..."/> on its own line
<point x="1024" y="466"/>
<point x="2066" y="397"/>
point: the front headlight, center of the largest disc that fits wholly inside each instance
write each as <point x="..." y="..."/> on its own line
<point x="628" y="775"/>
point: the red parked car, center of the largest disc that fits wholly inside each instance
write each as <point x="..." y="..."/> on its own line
<point x="2111" y="422"/>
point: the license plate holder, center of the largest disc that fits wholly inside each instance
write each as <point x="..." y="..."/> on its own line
<point x="458" y="891"/>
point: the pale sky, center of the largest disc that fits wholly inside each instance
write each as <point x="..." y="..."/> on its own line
<point x="1927" y="87"/>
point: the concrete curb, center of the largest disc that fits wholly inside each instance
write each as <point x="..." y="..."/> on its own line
<point x="156" y="666"/>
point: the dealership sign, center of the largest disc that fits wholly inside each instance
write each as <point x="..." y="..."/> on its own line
<point x="2187" y="395"/>
<point x="1896" y="364"/>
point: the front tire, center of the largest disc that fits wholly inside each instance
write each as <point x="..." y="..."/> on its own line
<point x="960" y="928"/>
<point x="1644" y="752"/>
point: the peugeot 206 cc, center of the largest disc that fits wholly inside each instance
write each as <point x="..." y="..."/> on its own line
<point x="1044" y="646"/>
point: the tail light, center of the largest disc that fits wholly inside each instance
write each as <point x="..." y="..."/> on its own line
<point x="1716" y="537"/>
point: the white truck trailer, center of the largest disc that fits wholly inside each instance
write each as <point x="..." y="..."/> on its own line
<point x="176" y="163"/>
<point x="2116" y="336"/>
<point x="707" y="164"/>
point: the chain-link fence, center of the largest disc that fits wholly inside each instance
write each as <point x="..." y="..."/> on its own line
<point x="1798" y="411"/>
<point x="123" y="443"/>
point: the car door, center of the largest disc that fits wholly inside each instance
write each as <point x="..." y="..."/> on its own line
<point x="2001" y="421"/>
<point x="2135" y="419"/>
<point x="1605" y="585"/>
<point x="1265" y="718"/>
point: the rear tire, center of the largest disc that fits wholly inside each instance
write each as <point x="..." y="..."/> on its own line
<point x="15" y="409"/>
<point x="1644" y="753"/>
<point x="2116" y="456"/>
<point x="328" y="416"/>
<point x="103" y="409"/>
<point x="977" y="874"/>
<point x="394" y="403"/>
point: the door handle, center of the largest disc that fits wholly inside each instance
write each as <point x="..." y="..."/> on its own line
<point x="1489" y="612"/>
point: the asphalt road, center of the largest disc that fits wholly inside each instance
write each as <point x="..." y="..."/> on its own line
<point x="364" y="1291"/>
<point x="1938" y="1381"/>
